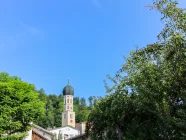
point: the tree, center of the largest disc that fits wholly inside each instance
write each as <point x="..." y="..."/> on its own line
<point x="53" y="110"/>
<point x="42" y="95"/>
<point x="76" y="101"/>
<point x="90" y="101"/>
<point x="80" y="109"/>
<point x="147" y="98"/>
<point x="82" y="103"/>
<point x="19" y="106"/>
<point x="82" y="115"/>
<point x="58" y="112"/>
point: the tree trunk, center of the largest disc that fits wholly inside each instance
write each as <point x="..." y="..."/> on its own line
<point x="120" y="134"/>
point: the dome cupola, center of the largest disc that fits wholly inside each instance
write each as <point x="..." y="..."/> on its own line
<point x="68" y="90"/>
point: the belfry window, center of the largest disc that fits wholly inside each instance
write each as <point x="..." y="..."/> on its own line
<point x="67" y="100"/>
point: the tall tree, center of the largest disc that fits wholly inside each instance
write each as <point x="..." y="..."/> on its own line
<point x="19" y="106"/>
<point x="90" y="101"/>
<point x="148" y="95"/>
<point x="53" y="110"/>
<point x="58" y="111"/>
<point x="82" y="102"/>
<point x="76" y="101"/>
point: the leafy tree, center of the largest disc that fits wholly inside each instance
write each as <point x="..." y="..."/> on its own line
<point x="82" y="103"/>
<point x="19" y="106"/>
<point x="82" y="115"/>
<point x="53" y="109"/>
<point x="81" y="110"/>
<point x="42" y="95"/>
<point x="148" y="95"/>
<point x="76" y="101"/>
<point x="58" y="111"/>
<point x="90" y="99"/>
<point x="50" y="114"/>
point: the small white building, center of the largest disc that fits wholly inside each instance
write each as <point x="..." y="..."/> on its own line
<point x="65" y="132"/>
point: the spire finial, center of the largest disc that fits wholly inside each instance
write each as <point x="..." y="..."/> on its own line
<point x="68" y="81"/>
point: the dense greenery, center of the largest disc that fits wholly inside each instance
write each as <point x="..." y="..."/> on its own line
<point x="53" y="110"/>
<point x="147" y="100"/>
<point x="19" y="106"/>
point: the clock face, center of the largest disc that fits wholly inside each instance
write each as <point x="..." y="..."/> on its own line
<point x="71" y="121"/>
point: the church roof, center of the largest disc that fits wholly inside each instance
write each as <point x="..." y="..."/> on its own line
<point x="68" y="90"/>
<point x="42" y="133"/>
<point x="64" y="127"/>
<point x="40" y="128"/>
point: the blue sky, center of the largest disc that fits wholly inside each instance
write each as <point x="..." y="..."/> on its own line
<point x="45" y="42"/>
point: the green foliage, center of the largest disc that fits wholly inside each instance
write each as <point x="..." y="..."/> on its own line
<point x="14" y="137"/>
<point x="82" y="115"/>
<point x="19" y="106"/>
<point x="147" y="99"/>
<point x="53" y="110"/>
<point x="81" y="109"/>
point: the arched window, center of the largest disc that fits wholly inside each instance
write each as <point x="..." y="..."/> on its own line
<point x="67" y="100"/>
<point x="70" y="100"/>
<point x="67" y="107"/>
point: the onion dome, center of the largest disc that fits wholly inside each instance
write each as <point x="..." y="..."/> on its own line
<point x="68" y="90"/>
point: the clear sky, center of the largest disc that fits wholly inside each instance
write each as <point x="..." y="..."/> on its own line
<point x="46" y="41"/>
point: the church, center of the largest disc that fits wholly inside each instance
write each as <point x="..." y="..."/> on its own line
<point x="69" y="127"/>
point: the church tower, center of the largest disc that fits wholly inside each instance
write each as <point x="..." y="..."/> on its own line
<point x="68" y="115"/>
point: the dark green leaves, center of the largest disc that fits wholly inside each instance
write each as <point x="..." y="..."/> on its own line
<point x="145" y="99"/>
